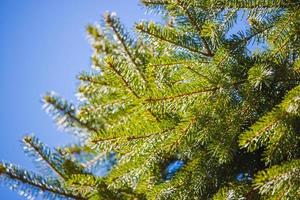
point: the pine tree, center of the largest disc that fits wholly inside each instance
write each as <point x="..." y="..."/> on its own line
<point x="204" y="106"/>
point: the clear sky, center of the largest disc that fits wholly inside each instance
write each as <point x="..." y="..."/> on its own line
<point x="43" y="47"/>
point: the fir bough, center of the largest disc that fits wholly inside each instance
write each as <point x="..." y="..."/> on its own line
<point x="192" y="95"/>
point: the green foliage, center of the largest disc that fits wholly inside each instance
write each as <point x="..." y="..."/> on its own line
<point x="236" y="191"/>
<point x="30" y="185"/>
<point x="279" y="182"/>
<point x="192" y="89"/>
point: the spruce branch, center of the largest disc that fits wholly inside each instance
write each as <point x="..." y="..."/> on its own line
<point x="260" y="131"/>
<point x="63" y="112"/>
<point x="133" y="137"/>
<point x="127" y="85"/>
<point x="168" y="35"/>
<point x="172" y="63"/>
<point x="36" y="181"/>
<point x="184" y="63"/>
<point x="192" y="91"/>
<point x="54" y="161"/>
<point x="191" y="14"/>
<point x="279" y="181"/>
<point x="111" y="65"/>
<point x="204" y="90"/>
<point x="154" y="2"/>
<point x="250" y="4"/>
<point x="125" y="41"/>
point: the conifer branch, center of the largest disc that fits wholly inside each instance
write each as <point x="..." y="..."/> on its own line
<point x="249" y="4"/>
<point x="235" y="44"/>
<point x="184" y="132"/>
<point x="214" y="117"/>
<point x="84" y="125"/>
<point x="156" y="34"/>
<point x="66" y="110"/>
<point x="110" y="64"/>
<point x="198" y="73"/>
<point x="194" y="23"/>
<point x="153" y="100"/>
<point x="276" y="179"/>
<point x="185" y="63"/>
<point x="250" y="139"/>
<point x="212" y="89"/>
<point x="30" y="142"/>
<point x="155" y="2"/>
<point x="174" y="63"/>
<point x="38" y="182"/>
<point x="116" y="27"/>
<point x="94" y="80"/>
<point x="134" y="137"/>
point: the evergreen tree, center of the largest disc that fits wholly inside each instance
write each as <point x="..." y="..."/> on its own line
<point x="204" y="106"/>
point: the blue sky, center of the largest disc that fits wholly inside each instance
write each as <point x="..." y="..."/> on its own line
<point x="43" y="47"/>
